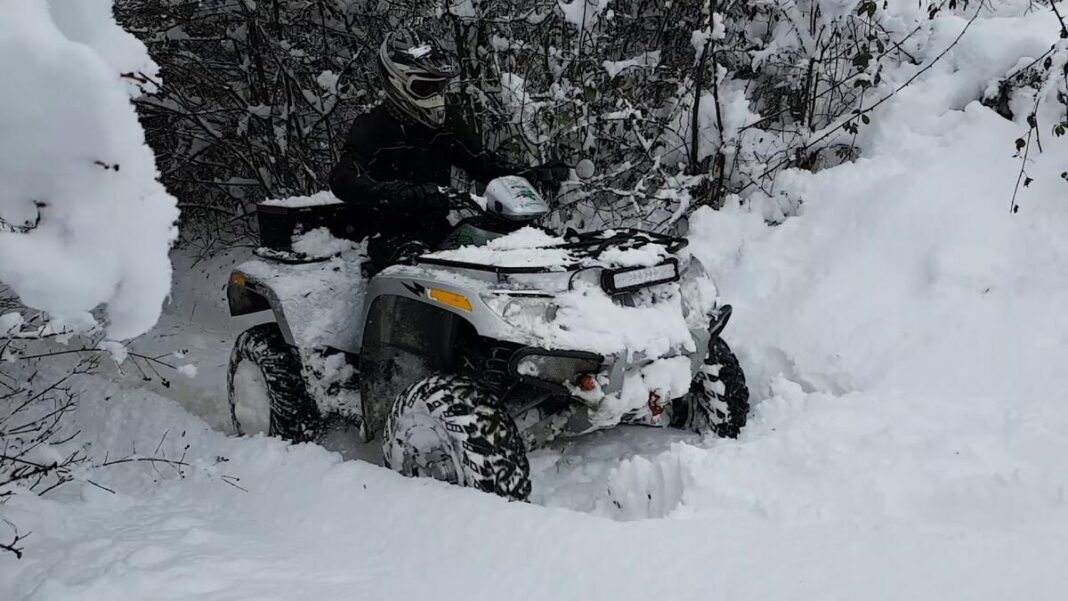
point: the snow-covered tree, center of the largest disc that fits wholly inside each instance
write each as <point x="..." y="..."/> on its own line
<point x="84" y="222"/>
<point x="680" y="103"/>
<point x="85" y="225"/>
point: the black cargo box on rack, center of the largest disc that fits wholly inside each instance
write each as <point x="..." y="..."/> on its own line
<point x="279" y="221"/>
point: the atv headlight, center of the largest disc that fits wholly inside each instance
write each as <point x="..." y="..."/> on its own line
<point x="561" y="371"/>
<point x="519" y="308"/>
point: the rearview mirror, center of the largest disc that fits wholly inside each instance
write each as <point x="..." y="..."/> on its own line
<point x="585" y="169"/>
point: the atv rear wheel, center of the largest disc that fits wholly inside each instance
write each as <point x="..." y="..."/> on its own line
<point x="718" y="400"/>
<point x="266" y="389"/>
<point x="451" y="428"/>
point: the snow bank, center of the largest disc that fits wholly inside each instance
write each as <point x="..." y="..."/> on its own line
<point x="776" y="516"/>
<point x="906" y="270"/>
<point x="83" y="220"/>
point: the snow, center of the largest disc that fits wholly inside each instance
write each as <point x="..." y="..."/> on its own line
<point x="583" y="13"/>
<point x="319" y="299"/>
<point x="254" y="410"/>
<point x="904" y="338"/>
<point x="525" y="247"/>
<point x="642" y="256"/>
<point x="327" y="80"/>
<point x="701" y="37"/>
<point x="514" y="95"/>
<point x="320" y="243"/>
<point x="80" y="189"/>
<point x="588" y="319"/>
<point x="10" y="323"/>
<point x="325" y="197"/>
<point x="117" y="350"/>
<point x="525" y="237"/>
<point x="646" y="59"/>
<point x="775" y="515"/>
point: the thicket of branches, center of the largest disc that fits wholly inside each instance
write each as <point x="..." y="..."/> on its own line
<point x="42" y="375"/>
<point x="680" y="103"/>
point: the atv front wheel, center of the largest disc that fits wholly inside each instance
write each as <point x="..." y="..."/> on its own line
<point x="451" y="428"/>
<point x="266" y="390"/>
<point x="718" y="400"/>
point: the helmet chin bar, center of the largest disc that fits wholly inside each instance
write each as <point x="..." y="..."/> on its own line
<point x="428" y="111"/>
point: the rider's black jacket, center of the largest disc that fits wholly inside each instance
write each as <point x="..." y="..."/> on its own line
<point x="389" y="165"/>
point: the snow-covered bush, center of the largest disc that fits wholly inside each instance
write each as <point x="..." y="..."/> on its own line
<point x="681" y="104"/>
<point x="259" y="95"/>
<point x="83" y="221"/>
<point x="85" y="227"/>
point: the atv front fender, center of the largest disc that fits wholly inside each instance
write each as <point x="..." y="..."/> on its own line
<point x="246" y="295"/>
<point x="316" y="305"/>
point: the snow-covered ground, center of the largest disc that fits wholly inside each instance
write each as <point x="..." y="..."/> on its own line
<point x="905" y="340"/>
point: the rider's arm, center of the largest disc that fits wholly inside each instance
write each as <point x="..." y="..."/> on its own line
<point x="465" y="149"/>
<point x="469" y="153"/>
<point x="351" y="180"/>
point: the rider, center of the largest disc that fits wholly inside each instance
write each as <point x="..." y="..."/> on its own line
<point x="398" y="158"/>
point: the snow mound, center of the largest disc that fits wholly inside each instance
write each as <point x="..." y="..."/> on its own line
<point x="943" y="520"/>
<point x="320" y="243"/>
<point x="83" y="220"/>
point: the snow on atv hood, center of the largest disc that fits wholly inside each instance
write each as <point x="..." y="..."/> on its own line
<point x="561" y="304"/>
<point x="526" y="247"/>
<point x="584" y="316"/>
<point x="588" y="319"/>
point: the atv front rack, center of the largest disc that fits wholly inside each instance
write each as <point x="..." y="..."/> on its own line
<point x="589" y="245"/>
<point x="583" y="248"/>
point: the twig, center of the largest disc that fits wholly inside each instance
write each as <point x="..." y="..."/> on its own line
<point x="12" y="547"/>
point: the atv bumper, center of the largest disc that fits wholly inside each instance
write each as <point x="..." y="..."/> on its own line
<point x="618" y="386"/>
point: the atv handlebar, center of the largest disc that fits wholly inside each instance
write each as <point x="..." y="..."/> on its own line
<point x="459" y="201"/>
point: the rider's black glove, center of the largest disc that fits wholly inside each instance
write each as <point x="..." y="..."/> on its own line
<point x="424" y="199"/>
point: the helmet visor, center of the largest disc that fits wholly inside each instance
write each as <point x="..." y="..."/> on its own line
<point x="425" y="88"/>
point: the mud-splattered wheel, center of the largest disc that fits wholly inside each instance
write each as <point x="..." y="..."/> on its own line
<point x="452" y="429"/>
<point x="266" y="389"/>
<point x="718" y="400"/>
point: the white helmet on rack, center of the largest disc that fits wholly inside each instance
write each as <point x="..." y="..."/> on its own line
<point x="415" y="71"/>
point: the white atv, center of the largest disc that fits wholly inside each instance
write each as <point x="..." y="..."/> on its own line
<point x="462" y="361"/>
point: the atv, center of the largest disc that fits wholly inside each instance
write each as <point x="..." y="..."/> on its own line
<point x="464" y="359"/>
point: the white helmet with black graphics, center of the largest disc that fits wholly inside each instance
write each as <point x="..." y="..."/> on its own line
<point x="415" y="71"/>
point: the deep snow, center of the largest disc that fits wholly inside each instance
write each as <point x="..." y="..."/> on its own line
<point x="905" y="341"/>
